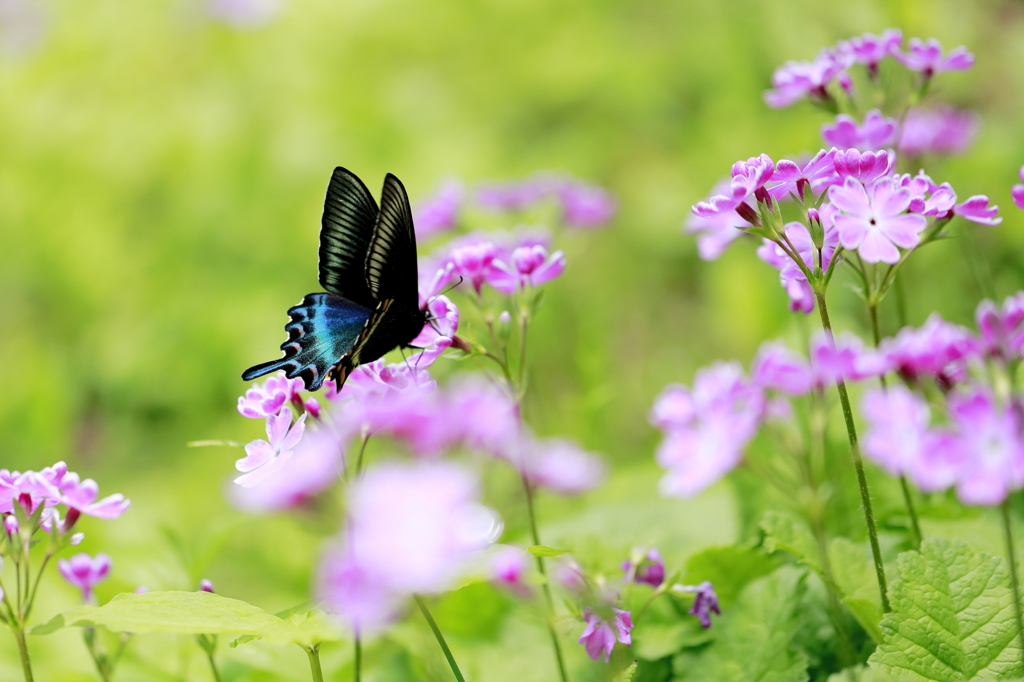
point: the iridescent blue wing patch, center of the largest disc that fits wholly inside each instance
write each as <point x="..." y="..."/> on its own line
<point x="321" y="330"/>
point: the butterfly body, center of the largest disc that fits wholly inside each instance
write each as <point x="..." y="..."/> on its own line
<point x="368" y="267"/>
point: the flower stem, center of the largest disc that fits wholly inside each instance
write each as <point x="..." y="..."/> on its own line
<point x="362" y="451"/>
<point x="546" y="588"/>
<point x="1012" y="558"/>
<point x="440" y="638"/>
<point x="858" y="465"/>
<point x="213" y="666"/>
<point x="26" y="663"/>
<point x="358" y="660"/>
<point x="314" y="663"/>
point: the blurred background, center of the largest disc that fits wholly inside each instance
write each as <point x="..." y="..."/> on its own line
<point x="162" y="171"/>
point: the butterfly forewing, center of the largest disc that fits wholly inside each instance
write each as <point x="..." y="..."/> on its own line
<point x="350" y="215"/>
<point x="391" y="259"/>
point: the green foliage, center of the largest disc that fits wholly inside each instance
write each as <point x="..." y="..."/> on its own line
<point x="953" y="617"/>
<point x="541" y="551"/>
<point x="475" y="611"/>
<point x="730" y="568"/>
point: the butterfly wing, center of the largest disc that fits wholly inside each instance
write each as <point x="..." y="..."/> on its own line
<point x="347" y="227"/>
<point x="391" y="258"/>
<point x="322" y="330"/>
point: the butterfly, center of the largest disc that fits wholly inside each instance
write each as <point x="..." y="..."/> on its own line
<point x="368" y="269"/>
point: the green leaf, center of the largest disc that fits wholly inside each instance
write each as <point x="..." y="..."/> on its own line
<point x="868" y="615"/>
<point x="653" y="641"/>
<point x="195" y="613"/>
<point x="542" y="551"/>
<point x="475" y="611"/>
<point x="953" y="617"/>
<point x="753" y="640"/>
<point x="730" y="568"/>
<point x="783" y="532"/>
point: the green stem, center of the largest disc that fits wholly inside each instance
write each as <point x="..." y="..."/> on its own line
<point x="362" y="451"/>
<point x="358" y="660"/>
<point x="440" y="638"/>
<point x="858" y="465"/>
<point x="545" y="587"/>
<point x="314" y="663"/>
<point x="26" y="663"/>
<point x="1012" y="557"/>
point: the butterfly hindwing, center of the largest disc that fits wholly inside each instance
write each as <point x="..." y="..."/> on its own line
<point x="391" y="259"/>
<point x="322" y="329"/>
<point x="350" y="214"/>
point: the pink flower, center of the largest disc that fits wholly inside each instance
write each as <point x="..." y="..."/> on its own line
<point x="206" y="585"/>
<point x="585" y="205"/>
<point x="267" y="399"/>
<point x="1002" y="330"/>
<point x="529" y="266"/>
<point x="898" y="439"/>
<point x="747" y="177"/>
<point x="863" y="166"/>
<point x="645" y="567"/>
<point x="938" y="349"/>
<point x="439" y="212"/>
<point x="80" y="498"/>
<point x="484" y="415"/>
<point x="792" y="277"/>
<point x="85" y="572"/>
<point x="600" y="634"/>
<point x="977" y="210"/>
<point x="877" y="132"/>
<point x="474" y="263"/>
<point x="795" y="80"/>
<point x="1018" y="190"/>
<point x="508" y="567"/>
<point x="927" y="58"/>
<point x="717" y="231"/>
<point x="795" y="179"/>
<point x="705" y="601"/>
<point x="410" y="530"/>
<point x="443" y="322"/>
<point x="987" y="444"/>
<point x="556" y="464"/>
<point x="433" y="279"/>
<point x="517" y="195"/>
<point x="942" y="130"/>
<point x="263" y="458"/>
<point x="869" y="49"/>
<point x="843" y="357"/>
<point x="315" y="465"/>
<point x="778" y="368"/>
<point x="873" y="219"/>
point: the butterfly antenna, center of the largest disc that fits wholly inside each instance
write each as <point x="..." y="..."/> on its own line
<point x="435" y="297"/>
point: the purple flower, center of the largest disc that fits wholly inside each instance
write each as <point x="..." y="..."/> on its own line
<point x="443" y="322"/>
<point x="927" y="58"/>
<point x="863" y="166"/>
<point x="585" y="205"/>
<point x="556" y="464"/>
<point x="439" y="212"/>
<point x="485" y="416"/>
<point x="987" y="444"/>
<point x="80" y="498"/>
<point x="897" y="437"/>
<point x="942" y="130"/>
<point x="843" y="357"/>
<point x="705" y="601"/>
<point x="263" y="458"/>
<point x="816" y="174"/>
<point x="874" y="220"/>
<point x="474" y="263"/>
<point x="977" y="210"/>
<point x="411" y="530"/>
<point x="938" y="349"/>
<point x="645" y="567"/>
<point x="869" y="49"/>
<point x="792" y="277"/>
<point x="877" y="132"/>
<point x="795" y="80"/>
<point x="1002" y="330"/>
<point x="85" y="572"/>
<point x="267" y="399"/>
<point x="433" y="279"/>
<point x="704" y="440"/>
<point x="206" y="585"/>
<point x="601" y="633"/>
<point x="717" y="231"/>
<point x="508" y="567"/>
<point x="1018" y="190"/>
<point x="747" y="178"/>
<point x="515" y="196"/>
<point x="778" y="368"/>
<point x="529" y="266"/>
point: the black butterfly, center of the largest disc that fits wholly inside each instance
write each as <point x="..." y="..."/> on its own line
<point x="368" y="267"/>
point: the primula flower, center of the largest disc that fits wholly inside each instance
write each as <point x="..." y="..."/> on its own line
<point x="873" y="219"/>
<point x="85" y="572"/>
<point x="878" y="132"/>
<point x="508" y="566"/>
<point x="80" y="498"/>
<point x="1002" y="330"/>
<point x="439" y="212"/>
<point x="267" y="399"/>
<point x="705" y="601"/>
<point x="529" y="266"/>
<point x="485" y="416"/>
<point x="444" y="322"/>
<point x="778" y="368"/>
<point x="942" y="130"/>
<point x="842" y="357"/>
<point x="1018" y="190"/>
<point x="792" y="277"/>
<point x="747" y="178"/>
<point x="987" y="446"/>
<point x="898" y="437"/>
<point x="600" y="634"/>
<point x="715" y="232"/>
<point x="474" y="263"/>
<point x="927" y="57"/>
<point x="796" y="179"/>
<point x="795" y="80"/>
<point x="263" y="458"/>
<point x="584" y="205"/>
<point x="938" y="349"/>
<point x="977" y="210"/>
<point x="434" y="278"/>
<point x="645" y="567"/>
<point x="556" y="464"/>
<point x="869" y="49"/>
<point x="515" y="196"/>
<point x="863" y="166"/>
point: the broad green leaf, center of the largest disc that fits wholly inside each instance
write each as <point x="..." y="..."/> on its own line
<point x="542" y="551"/>
<point x="867" y="614"/>
<point x="195" y="613"/>
<point x="652" y="640"/>
<point x="783" y="532"/>
<point x="753" y="640"/>
<point x="730" y="568"/>
<point x="953" y="617"/>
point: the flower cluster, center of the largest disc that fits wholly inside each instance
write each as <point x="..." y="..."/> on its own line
<point x="501" y="260"/>
<point x="583" y="205"/>
<point x="410" y="530"/>
<point x="940" y="130"/>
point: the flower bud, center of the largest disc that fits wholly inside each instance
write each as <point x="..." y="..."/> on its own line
<point x="815" y="227"/>
<point x="206" y="585"/>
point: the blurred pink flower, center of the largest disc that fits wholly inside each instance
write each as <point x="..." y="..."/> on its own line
<point x="942" y="130"/>
<point x="556" y="464"/>
<point x="206" y="585"/>
<point x="705" y="601"/>
<point x="716" y="231"/>
<point x="1002" y="329"/>
<point x="508" y="566"/>
<point x="85" y="572"/>
<point x="1018" y="190"/>
<point x="263" y="458"/>
<point x="244" y="13"/>
<point x="898" y="437"/>
<point x="266" y="399"/>
<point x="439" y="212"/>
<point x="794" y="80"/>
<point x="878" y="132"/>
<point x="516" y="195"/>
<point x="600" y="634"/>
<point x="869" y="49"/>
<point x="585" y="205"/>
<point x="986" y="442"/>
<point x="927" y="57"/>
<point x="843" y="357"/>
<point x="937" y="348"/>
<point x="485" y="415"/>
<point x="778" y="368"/>
<point x="645" y="567"/>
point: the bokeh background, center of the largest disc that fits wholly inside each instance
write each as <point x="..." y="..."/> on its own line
<point x="162" y="170"/>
